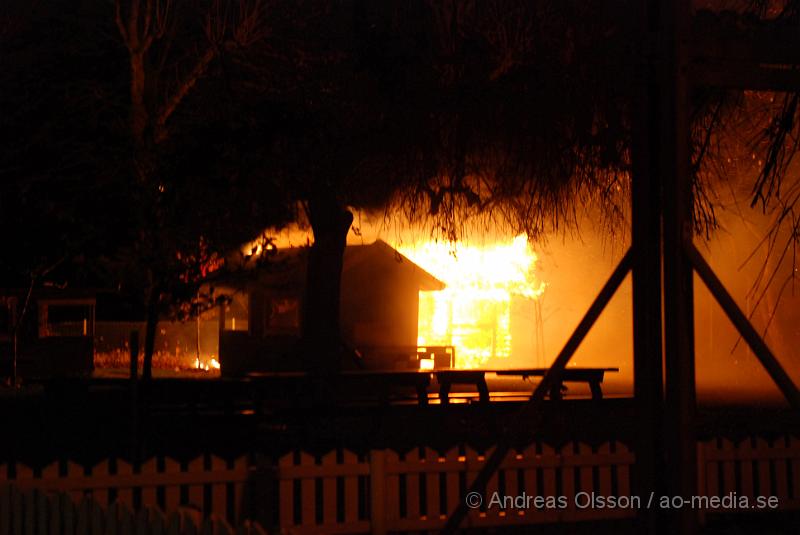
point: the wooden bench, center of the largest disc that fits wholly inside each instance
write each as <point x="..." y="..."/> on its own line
<point x="592" y="376"/>
<point x="448" y="378"/>
<point x="378" y="384"/>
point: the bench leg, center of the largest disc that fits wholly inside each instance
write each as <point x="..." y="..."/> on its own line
<point x="444" y="393"/>
<point x="597" y="392"/>
<point x="483" y="391"/>
<point x="422" y="395"/>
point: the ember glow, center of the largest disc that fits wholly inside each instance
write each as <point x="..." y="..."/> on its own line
<point x="426" y="364"/>
<point x="206" y="365"/>
<point x="473" y="313"/>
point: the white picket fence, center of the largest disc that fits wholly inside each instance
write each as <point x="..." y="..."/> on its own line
<point x="383" y="491"/>
<point x="36" y="512"/>
<point x="208" y="484"/>
<point x="752" y="467"/>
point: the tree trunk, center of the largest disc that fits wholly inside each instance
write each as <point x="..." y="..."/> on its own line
<point x="150" y="333"/>
<point x="322" y="346"/>
<point x="139" y="114"/>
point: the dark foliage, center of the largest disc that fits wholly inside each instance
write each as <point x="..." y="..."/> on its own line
<point x="247" y="113"/>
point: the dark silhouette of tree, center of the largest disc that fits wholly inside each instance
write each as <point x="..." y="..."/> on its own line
<point x="321" y="118"/>
<point x="155" y="134"/>
<point x="447" y="110"/>
<point x="118" y="176"/>
<point x="171" y="47"/>
<point x="512" y="111"/>
<point x="55" y="106"/>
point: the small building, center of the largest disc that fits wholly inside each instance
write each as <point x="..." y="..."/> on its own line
<point x="260" y="327"/>
<point x="54" y="332"/>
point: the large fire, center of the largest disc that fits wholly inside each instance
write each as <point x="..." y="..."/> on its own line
<point x="473" y="313"/>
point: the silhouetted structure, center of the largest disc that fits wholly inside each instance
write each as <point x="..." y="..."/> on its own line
<point x="54" y="332"/>
<point x="261" y="328"/>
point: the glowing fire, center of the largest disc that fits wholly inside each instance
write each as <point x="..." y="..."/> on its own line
<point x="206" y="365"/>
<point x="425" y="364"/>
<point x="473" y="313"/>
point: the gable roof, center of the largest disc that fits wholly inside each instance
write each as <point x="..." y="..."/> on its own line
<point x="381" y="252"/>
<point x="287" y="267"/>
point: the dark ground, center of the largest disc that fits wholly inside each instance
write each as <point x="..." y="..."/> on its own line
<point x="87" y="420"/>
<point x="772" y="524"/>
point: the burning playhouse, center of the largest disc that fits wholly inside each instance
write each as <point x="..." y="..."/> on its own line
<point x="260" y="325"/>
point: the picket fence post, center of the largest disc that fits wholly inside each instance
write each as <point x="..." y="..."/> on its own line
<point x="377" y="491"/>
<point x="702" y="485"/>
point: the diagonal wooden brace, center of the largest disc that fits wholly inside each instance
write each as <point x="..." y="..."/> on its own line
<point x="530" y="413"/>
<point x="745" y="328"/>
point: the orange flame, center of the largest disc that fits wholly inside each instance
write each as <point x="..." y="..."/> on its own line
<point x="473" y="313"/>
<point x="207" y="365"/>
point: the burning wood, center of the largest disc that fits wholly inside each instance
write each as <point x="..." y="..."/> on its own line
<point x="474" y="311"/>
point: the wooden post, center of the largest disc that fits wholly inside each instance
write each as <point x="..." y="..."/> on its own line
<point x="197" y="337"/>
<point x="680" y="399"/>
<point x="377" y="491"/>
<point x="702" y="486"/>
<point x="646" y="273"/>
<point x="133" y="346"/>
<point x="221" y="334"/>
<point x="261" y="489"/>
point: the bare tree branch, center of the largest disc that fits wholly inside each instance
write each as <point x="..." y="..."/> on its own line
<point x="180" y="92"/>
